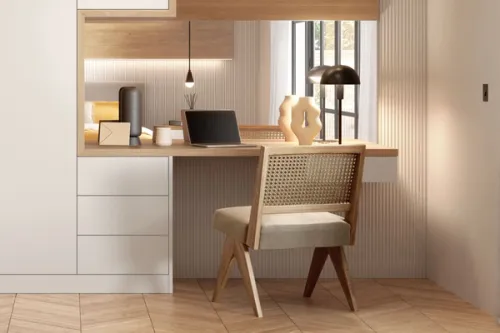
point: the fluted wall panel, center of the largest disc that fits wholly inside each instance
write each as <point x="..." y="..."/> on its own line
<point x="399" y="211"/>
<point x="391" y="238"/>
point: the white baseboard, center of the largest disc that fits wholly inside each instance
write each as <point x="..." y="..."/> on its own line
<point x="85" y="284"/>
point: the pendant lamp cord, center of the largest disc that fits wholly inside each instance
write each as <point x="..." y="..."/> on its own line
<point x="189" y="39"/>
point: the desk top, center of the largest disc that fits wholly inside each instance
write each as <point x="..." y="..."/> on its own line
<point x="181" y="149"/>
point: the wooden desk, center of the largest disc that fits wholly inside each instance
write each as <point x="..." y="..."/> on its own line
<point x="180" y="149"/>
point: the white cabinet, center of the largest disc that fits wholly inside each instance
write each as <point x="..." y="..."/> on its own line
<point x="123" y="215"/>
<point x="108" y="255"/>
<point x="124" y="4"/>
<point x="38" y="110"/>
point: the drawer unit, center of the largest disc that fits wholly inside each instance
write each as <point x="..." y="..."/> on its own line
<point x="123" y="176"/>
<point x="124" y="4"/>
<point x="110" y="255"/>
<point x="125" y="215"/>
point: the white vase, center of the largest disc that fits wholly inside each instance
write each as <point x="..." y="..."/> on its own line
<point x="285" y="119"/>
<point x="306" y="108"/>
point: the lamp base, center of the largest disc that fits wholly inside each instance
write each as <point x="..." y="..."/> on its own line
<point x="135" y="141"/>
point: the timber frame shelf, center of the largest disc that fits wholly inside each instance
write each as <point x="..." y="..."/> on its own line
<point x="235" y="10"/>
<point x="222" y="10"/>
<point x="158" y="35"/>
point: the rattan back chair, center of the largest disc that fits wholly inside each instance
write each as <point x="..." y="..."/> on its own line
<point x="298" y="189"/>
<point x="261" y="133"/>
<point x="307" y="179"/>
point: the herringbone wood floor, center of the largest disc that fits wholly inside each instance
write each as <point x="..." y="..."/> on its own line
<point x="386" y="306"/>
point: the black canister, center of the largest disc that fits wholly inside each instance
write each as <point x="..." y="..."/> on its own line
<point x="130" y="111"/>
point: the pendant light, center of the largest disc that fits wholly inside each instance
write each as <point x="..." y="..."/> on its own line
<point x="189" y="78"/>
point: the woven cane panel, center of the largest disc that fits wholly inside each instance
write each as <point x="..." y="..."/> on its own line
<point x="309" y="179"/>
<point x="262" y="135"/>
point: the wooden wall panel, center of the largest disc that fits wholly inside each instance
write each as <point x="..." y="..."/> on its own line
<point x="159" y="40"/>
<point x="278" y="9"/>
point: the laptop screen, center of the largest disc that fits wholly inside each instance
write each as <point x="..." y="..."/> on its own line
<point x="209" y="126"/>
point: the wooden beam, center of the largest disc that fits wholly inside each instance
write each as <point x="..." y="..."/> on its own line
<point x="278" y="9"/>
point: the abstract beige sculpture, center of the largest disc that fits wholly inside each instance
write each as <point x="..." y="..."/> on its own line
<point x="306" y="108"/>
<point x="285" y="119"/>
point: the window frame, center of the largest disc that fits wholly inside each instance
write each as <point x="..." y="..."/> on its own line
<point x="309" y="59"/>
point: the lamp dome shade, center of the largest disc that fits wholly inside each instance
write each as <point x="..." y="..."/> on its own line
<point x="189" y="80"/>
<point x="314" y="75"/>
<point x="340" y="74"/>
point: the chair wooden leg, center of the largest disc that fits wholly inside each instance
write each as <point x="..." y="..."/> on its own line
<point x="318" y="262"/>
<point x="224" y="268"/>
<point x="245" y="265"/>
<point x="339" y="261"/>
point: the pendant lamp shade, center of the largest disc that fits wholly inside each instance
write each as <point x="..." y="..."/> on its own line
<point x="189" y="77"/>
<point x="189" y="80"/>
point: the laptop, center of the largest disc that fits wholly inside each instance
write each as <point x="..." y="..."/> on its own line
<point x="212" y="128"/>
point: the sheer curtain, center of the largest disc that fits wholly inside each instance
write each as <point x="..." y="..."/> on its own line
<point x="275" y="75"/>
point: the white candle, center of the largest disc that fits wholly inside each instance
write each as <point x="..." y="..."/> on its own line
<point x="164" y="136"/>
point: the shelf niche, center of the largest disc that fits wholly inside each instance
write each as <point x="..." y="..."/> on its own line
<point x="158" y="39"/>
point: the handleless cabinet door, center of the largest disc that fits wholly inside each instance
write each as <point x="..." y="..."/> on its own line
<point x="123" y="215"/>
<point x="38" y="88"/>
<point x="124" y="4"/>
<point x="109" y="255"/>
<point x="123" y="176"/>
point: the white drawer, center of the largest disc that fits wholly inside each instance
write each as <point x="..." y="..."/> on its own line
<point x="127" y="215"/>
<point x="124" y="4"/>
<point x="108" y="255"/>
<point x="123" y="175"/>
<point x="380" y="170"/>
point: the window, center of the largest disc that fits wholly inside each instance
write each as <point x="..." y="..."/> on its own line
<point x="316" y="43"/>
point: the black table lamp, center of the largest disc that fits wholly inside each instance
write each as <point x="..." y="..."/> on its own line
<point x="339" y="76"/>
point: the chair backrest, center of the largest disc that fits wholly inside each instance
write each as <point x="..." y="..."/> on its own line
<point x="302" y="179"/>
<point x="261" y="133"/>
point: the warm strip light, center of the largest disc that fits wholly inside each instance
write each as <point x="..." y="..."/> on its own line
<point x="156" y="59"/>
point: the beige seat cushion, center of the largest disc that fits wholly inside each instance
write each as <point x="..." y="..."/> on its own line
<point x="286" y="231"/>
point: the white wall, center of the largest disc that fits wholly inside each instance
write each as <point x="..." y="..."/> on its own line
<point x="38" y="167"/>
<point x="463" y="154"/>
